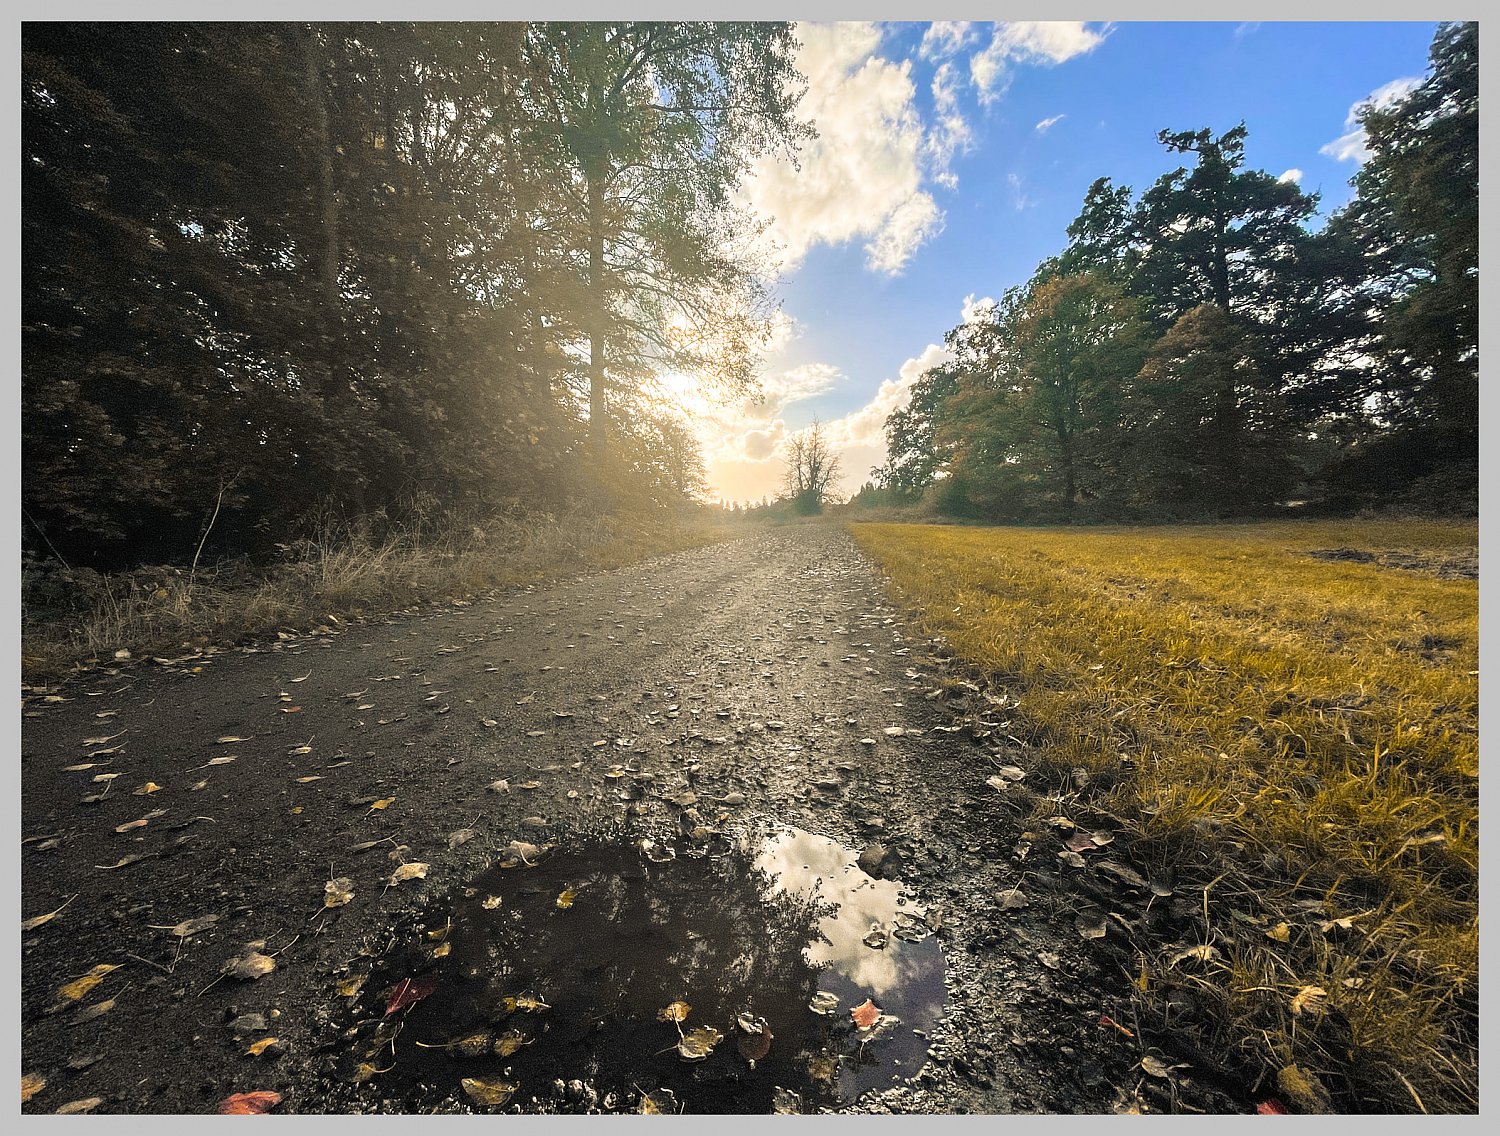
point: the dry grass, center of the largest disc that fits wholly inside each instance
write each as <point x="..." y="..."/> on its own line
<point x="82" y="617"/>
<point x="1295" y="735"/>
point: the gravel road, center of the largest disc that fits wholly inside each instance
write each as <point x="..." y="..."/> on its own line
<point x="713" y="696"/>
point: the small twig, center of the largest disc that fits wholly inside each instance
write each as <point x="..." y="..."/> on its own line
<point x="148" y="962"/>
<point x="218" y="501"/>
<point x="43" y="533"/>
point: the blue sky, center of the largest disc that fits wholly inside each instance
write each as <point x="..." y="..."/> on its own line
<point x="951" y="160"/>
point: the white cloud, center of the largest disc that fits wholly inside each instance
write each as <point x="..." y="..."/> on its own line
<point x="862" y="177"/>
<point x="1018" y="195"/>
<point x="1036" y="42"/>
<point x="1293" y="175"/>
<point x="761" y="445"/>
<point x="944" y="38"/>
<point x="1048" y="123"/>
<point x="1351" y="146"/>
<point x="950" y="133"/>
<point x="976" y="310"/>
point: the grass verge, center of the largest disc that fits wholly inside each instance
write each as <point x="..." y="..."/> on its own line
<point x="75" y="619"/>
<point x="1288" y="724"/>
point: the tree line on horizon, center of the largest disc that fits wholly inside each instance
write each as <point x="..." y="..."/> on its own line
<point x="390" y="272"/>
<point x="1200" y="350"/>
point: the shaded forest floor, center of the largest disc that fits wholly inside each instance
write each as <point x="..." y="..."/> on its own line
<point x="77" y="618"/>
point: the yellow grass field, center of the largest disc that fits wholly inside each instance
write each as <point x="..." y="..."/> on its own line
<point x="1275" y="710"/>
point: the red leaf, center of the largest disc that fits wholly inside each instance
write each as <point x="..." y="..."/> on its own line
<point x="1271" y="1107"/>
<point x="1081" y="842"/>
<point x="1106" y="1020"/>
<point x="866" y="1015"/>
<point x="410" y="991"/>
<point x="249" y="1104"/>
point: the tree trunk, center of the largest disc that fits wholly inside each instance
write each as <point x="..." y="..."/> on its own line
<point x="599" y="301"/>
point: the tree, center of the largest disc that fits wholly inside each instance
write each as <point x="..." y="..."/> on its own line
<point x="811" y="468"/>
<point x="1415" y="224"/>
<point x="1201" y="431"/>
<point x="660" y="120"/>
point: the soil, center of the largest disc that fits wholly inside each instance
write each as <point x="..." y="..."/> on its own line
<point x="696" y="702"/>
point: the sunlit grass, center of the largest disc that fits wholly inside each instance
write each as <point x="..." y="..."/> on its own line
<point x="1304" y="729"/>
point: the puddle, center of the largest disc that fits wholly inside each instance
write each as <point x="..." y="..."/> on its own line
<point x="542" y="988"/>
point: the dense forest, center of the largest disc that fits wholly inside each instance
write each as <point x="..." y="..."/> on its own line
<point x="1202" y="350"/>
<point x="274" y="273"/>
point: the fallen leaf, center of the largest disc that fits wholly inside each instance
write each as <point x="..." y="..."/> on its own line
<point x="298" y="751"/>
<point x="674" y="1012"/>
<point x="141" y="822"/>
<point x="1156" y="1067"/>
<point x="262" y="1045"/>
<point x="1106" y="1020"/>
<point x="565" y="900"/>
<point x="462" y="836"/>
<point x="491" y="1092"/>
<point x="490" y="902"/>
<point x="133" y="858"/>
<point x="38" y="920"/>
<point x="662" y="1102"/>
<point x="382" y="803"/>
<point x="1012" y="898"/>
<point x="1308" y="998"/>
<point x="249" y="1104"/>
<point x="350" y="987"/>
<point x="1071" y="858"/>
<point x="412" y="871"/>
<point x="1091" y="925"/>
<point x="510" y="1042"/>
<point x="220" y="760"/>
<point x="145" y="790"/>
<point x="73" y="991"/>
<point x="188" y="927"/>
<point x="87" y="1104"/>
<point x="410" y="991"/>
<point x="1201" y="953"/>
<point x="249" y="964"/>
<point x="97" y="1010"/>
<point x="31" y="1084"/>
<point x="1271" y="1107"/>
<point x="230" y="739"/>
<point x="866" y="1014"/>
<point x="823" y="1002"/>
<point x="1282" y="932"/>
<point x="699" y="1043"/>
<point x="338" y="892"/>
<point x="1081" y="842"/>
<point x="1304" y="1089"/>
<point x="306" y="780"/>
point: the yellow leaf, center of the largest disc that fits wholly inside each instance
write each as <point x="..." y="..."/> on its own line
<point x="676" y="1012"/>
<point x="565" y="900"/>
<point x="87" y="1104"/>
<point x="145" y="790"/>
<point x="490" y="1092"/>
<point x="1304" y="1089"/>
<point x="338" y="892"/>
<point x="262" y="1045"/>
<point x="249" y="964"/>
<point x="31" y="1084"/>
<point x="490" y="902"/>
<point x="1282" y="932"/>
<point x="382" y="803"/>
<point x="441" y="950"/>
<point x="699" y="1043"/>
<point x="350" y="987"/>
<point x="230" y="739"/>
<point x="37" y="920"/>
<point x="1308" y="998"/>
<point x="73" y="991"/>
<point x="305" y="780"/>
<point x="510" y="1042"/>
<point x="412" y="871"/>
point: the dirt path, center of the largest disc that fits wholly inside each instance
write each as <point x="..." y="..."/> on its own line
<point x="764" y="676"/>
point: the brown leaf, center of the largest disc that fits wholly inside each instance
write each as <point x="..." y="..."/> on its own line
<point x="249" y="964"/>
<point x="866" y="1014"/>
<point x="510" y="1042"/>
<point x="38" y="920"/>
<point x="230" y="739"/>
<point x="412" y="871"/>
<point x="87" y="1104"/>
<point x="141" y="822"/>
<point x="188" y="927"/>
<point x="338" y="892"/>
<point x="1309" y="998"/>
<point x="31" y="1084"/>
<point x="675" y="1012"/>
<point x="249" y="1104"/>
<point x="754" y="1046"/>
<point x="699" y="1043"/>
<point x="488" y="1091"/>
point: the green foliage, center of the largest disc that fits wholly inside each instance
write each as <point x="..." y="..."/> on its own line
<point x="273" y="268"/>
<point x="1201" y="351"/>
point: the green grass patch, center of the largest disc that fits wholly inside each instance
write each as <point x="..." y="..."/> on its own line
<point x="1288" y="719"/>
